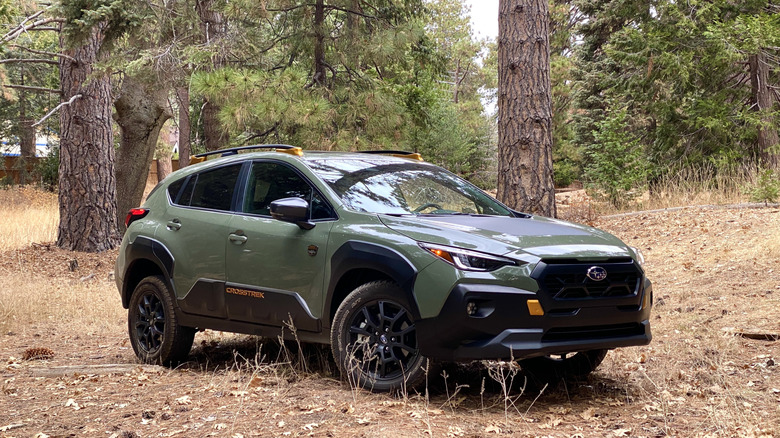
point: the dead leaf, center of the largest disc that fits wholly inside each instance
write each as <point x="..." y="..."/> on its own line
<point x="184" y="400"/>
<point x="588" y="414"/>
<point x="621" y="432"/>
<point x="493" y="429"/>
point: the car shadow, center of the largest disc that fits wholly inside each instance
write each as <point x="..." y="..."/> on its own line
<point x="476" y="385"/>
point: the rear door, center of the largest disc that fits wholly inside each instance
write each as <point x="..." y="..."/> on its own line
<point x="275" y="269"/>
<point x="196" y="232"/>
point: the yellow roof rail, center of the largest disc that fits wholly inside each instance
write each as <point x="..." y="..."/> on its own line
<point x="400" y="154"/>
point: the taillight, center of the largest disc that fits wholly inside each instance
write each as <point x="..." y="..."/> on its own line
<point x="134" y="214"/>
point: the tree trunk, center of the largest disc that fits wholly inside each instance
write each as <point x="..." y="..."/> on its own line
<point x="319" y="43"/>
<point x="141" y="111"/>
<point x="26" y="130"/>
<point x="213" y="28"/>
<point x="183" y="95"/>
<point x="164" y="166"/>
<point x="768" y="140"/>
<point x="87" y="187"/>
<point x="525" y="175"/>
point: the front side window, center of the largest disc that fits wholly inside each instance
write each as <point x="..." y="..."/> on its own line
<point x="270" y="181"/>
<point x="376" y="186"/>
<point x="212" y="189"/>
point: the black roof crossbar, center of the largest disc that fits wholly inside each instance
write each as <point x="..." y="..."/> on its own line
<point x="234" y="151"/>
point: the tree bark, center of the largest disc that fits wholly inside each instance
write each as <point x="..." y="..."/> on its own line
<point x="763" y="100"/>
<point x="141" y="111"/>
<point x="183" y="95"/>
<point x="87" y="186"/>
<point x="319" y="43"/>
<point x="213" y="29"/>
<point x="164" y="167"/>
<point x="525" y="174"/>
<point x="26" y="130"/>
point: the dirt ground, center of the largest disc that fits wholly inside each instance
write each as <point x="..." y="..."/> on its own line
<point x="711" y="369"/>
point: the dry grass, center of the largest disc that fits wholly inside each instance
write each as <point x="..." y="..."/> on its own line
<point x="26" y="300"/>
<point x="687" y="187"/>
<point x="29" y="215"/>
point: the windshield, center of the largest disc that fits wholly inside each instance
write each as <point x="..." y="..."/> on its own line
<point x="382" y="186"/>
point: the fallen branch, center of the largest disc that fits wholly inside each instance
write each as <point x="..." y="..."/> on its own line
<point x="759" y="336"/>
<point x="114" y="368"/>
<point x="11" y="426"/>
<point x="72" y="99"/>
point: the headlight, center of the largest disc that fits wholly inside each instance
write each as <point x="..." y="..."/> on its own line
<point x="467" y="260"/>
<point x="640" y="258"/>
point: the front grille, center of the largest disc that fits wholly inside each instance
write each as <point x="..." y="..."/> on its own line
<point x="570" y="281"/>
<point x="593" y="332"/>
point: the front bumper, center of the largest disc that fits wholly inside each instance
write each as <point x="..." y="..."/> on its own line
<point x="481" y="321"/>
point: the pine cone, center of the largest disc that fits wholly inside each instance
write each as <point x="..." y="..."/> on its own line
<point x="37" y="353"/>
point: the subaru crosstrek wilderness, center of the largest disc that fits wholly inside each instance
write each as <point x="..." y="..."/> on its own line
<point x="389" y="259"/>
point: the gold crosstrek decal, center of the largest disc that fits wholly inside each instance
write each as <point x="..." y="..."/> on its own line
<point x="244" y="292"/>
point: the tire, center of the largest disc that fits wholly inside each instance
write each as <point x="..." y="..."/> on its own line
<point x="374" y="339"/>
<point x="155" y="334"/>
<point x="551" y="369"/>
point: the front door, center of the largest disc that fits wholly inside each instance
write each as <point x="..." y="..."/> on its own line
<point x="275" y="269"/>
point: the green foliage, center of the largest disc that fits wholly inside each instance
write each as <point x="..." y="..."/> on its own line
<point x="115" y="18"/>
<point x="47" y="170"/>
<point x="766" y="188"/>
<point x="395" y="79"/>
<point x="680" y="71"/>
<point x="616" y="164"/>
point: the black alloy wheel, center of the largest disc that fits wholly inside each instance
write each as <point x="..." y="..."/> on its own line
<point x="374" y="339"/>
<point x="150" y="323"/>
<point x="154" y="331"/>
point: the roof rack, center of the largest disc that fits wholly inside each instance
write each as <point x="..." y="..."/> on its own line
<point x="400" y="154"/>
<point x="285" y="148"/>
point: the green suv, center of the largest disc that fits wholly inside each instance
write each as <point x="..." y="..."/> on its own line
<point x="387" y="258"/>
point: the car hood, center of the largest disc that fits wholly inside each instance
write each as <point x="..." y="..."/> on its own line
<point x="535" y="235"/>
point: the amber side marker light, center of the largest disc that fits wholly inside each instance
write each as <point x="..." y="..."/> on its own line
<point x="535" y="308"/>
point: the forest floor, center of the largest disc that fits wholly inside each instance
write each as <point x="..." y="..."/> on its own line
<point x="67" y="369"/>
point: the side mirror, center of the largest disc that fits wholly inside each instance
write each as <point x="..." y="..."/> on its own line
<point x="294" y="210"/>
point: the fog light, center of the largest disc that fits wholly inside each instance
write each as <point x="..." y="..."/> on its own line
<point x="471" y="308"/>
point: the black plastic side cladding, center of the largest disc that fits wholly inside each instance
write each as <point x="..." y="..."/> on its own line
<point x="363" y="255"/>
<point x="144" y="248"/>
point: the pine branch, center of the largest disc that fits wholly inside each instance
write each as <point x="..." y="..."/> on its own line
<point x="24" y="60"/>
<point x="40" y="52"/>
<point x="33" y="26"/>
<point x="29" y="88"/>
<point x="72" y="99"/>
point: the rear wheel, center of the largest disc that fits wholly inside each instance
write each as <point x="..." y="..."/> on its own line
<point x="553" y="368"/>
<point x="374" y="339"/>
<point x="154" y="331"/>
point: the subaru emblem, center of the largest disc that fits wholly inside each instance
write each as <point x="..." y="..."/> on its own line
<point x="597" y="273"/>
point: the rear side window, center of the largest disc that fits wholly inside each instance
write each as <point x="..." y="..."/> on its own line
<point x="212" y="189"/>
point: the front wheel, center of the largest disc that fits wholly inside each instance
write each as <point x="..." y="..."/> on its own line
<point x="553" y="368"/>
<point x="155" y="334"/>
<point x="374" y="339"/>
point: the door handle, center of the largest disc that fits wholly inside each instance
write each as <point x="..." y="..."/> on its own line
<point x="238" y="239"/>
<point x="174" y="225"/>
